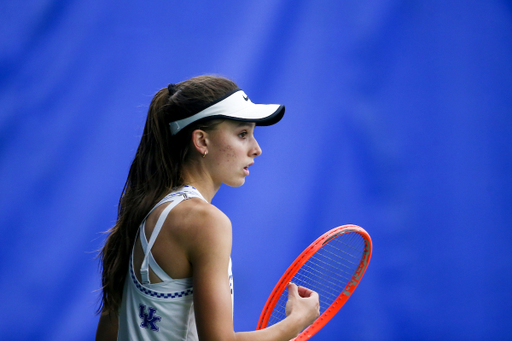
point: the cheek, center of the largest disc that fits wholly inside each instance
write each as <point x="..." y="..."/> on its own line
<point x="228" y="154"/>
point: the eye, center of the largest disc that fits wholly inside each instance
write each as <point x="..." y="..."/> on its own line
<point x="243" y="134"/>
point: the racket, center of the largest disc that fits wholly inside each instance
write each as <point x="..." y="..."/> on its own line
<point x="332" y="266"/>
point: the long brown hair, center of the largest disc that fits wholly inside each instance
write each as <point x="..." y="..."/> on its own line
<point x="155" y="170"/>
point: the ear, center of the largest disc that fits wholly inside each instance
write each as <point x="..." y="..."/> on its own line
<point x="200" y="141"/>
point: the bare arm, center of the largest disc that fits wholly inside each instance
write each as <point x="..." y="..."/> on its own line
<point x="209" y="254"/>
<point x="107" y="327"/>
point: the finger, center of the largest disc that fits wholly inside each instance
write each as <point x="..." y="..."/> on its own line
<point x="305" y="292"/>
<point x="311" y="295"/>
<point x="292" y="289"/>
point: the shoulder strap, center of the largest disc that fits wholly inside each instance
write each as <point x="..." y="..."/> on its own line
<point x="144" y="269"/>
<point x="153" y="265"/>
<point x="176" y="197"/>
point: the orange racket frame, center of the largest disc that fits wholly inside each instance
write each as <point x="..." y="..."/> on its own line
<point x="300" y="261"/>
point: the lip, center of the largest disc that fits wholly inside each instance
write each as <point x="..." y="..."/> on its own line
<point x="246" y="168"/>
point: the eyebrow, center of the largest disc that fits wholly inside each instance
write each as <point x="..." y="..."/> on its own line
<point x="248" y="124"/>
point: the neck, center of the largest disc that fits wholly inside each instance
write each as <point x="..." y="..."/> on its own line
<point x="195" y="175"/>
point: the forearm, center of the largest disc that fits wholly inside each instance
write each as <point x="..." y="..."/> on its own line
<point x="284" y="330"/>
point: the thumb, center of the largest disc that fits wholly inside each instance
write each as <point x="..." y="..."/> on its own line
<point x="293" y="290"/>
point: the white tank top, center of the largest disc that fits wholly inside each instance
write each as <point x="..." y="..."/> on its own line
<point x="164" y="310"/>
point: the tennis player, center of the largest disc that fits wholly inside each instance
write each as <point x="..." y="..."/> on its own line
<point x="167" y="261"/>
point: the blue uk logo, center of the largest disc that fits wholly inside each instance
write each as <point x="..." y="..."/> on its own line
<point x="149" y="319"/>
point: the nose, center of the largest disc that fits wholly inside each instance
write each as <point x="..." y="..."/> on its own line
<point x="256" y="150"/>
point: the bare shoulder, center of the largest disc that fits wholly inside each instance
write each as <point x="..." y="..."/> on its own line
<point x="198" y="224"/>
<point x="195" y="213"/>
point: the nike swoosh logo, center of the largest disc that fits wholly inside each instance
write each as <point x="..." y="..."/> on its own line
<point x="246" y="97"/>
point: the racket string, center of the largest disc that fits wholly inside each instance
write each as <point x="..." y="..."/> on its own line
<point x="327" y="272"/>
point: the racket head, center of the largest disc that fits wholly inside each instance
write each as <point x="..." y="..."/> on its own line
<point x="332" y="266"/>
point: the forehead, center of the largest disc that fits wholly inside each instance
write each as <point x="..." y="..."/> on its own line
<point x="239" y="124"/>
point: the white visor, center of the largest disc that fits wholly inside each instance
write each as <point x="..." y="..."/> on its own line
<point x="236" y="106"/>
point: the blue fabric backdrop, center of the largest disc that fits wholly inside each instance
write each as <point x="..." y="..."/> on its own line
<point x="398" y="119"/>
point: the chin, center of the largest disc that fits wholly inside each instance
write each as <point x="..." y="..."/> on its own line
<point x="235" y="183"/>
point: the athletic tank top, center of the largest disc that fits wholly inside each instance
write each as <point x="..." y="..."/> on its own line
<point x="164" y="310"/>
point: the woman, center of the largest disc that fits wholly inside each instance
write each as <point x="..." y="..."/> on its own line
<point x="166" y="262"/>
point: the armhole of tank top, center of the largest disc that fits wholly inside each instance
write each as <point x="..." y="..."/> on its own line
<point x="148" y="256"/>
<point x="159" y="272"/>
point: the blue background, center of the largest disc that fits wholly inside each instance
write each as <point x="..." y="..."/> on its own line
<point x="398" y="119"/>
